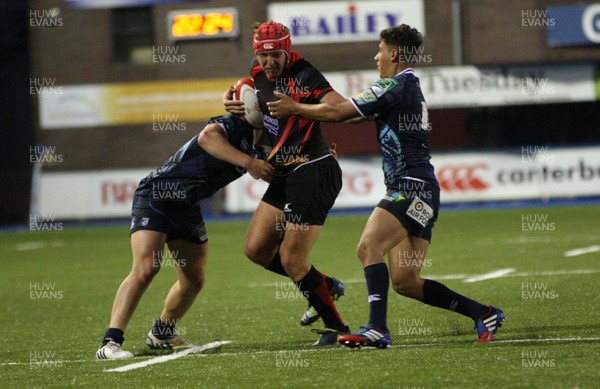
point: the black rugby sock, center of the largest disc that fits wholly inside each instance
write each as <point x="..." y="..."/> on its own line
<point x="276" y="267"/>
<point x="438" y="295"/>
<point x="315" y="289"/>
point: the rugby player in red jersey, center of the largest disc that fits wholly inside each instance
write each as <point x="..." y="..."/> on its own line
<point x="306" y="178"/>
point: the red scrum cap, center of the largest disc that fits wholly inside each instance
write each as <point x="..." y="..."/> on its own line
<point x="272" y="36"/>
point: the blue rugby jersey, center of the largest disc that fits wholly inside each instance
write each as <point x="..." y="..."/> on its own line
<point x="198" y="173"/>
<point x="401" y="119"/>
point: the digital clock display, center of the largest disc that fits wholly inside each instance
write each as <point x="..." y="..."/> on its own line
<point x="203" y="24"/>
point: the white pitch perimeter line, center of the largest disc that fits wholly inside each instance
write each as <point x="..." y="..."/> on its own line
<point x="581" y="251"/>
<point x="489" y="276"/>
<point x="166" y="358"/>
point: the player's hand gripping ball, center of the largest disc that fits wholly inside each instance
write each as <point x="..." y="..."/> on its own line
<point x="244" y="91"/>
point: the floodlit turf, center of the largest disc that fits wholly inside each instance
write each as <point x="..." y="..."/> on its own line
<point x="57" y="290"/>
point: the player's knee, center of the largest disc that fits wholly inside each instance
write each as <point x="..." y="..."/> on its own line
<point x="399" y="288"/>
<point x="405" y="285"/>
<point x="365" y="249"/>
<point x="146" y="275"/>
<point x="195" y="285"/>
<point x="288" y="259"/>
<point x="294" y="265"/>
<point x="254" y="253"/>
<point x="361" y="250"/>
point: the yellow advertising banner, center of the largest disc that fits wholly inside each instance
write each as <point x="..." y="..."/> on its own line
<point x="131" y="103"/>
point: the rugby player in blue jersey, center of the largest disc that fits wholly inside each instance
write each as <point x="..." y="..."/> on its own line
<point x="166" y="210"/>
<point x="402" y="222"/>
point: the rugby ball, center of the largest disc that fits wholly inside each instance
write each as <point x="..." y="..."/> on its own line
<point x="244" y="91"/>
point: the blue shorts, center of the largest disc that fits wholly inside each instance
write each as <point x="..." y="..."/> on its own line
<point x="415" y="204"/>
<point x="162" y="211"/>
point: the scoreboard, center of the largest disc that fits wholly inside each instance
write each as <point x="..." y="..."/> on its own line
<point x="211" y="23"/>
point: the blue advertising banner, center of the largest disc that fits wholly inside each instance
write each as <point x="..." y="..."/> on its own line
<point x="116" y="3"/>
<point x="577" y="25"/>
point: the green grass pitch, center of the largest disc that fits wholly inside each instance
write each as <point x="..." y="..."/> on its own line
<point x="57" y="290"/>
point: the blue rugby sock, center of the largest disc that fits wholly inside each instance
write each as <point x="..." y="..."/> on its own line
<point x="439" y="295"/>
<point x="378" y="282"/>
<point x="114" y="334"/>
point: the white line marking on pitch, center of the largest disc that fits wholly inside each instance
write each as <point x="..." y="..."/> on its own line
<point x="37" y="245"/>
<point x="581" y="251"/>
<point x="488" y="276"/>
<point x="362" y="280"/>
<point x="555" y="273"/>
<point x="535" y="340"/>
<point x="166" y="358"/>
<point x="502" y="273"/>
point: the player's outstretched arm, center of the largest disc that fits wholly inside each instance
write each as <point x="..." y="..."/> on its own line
<point x="334" y="97"/>
<point x="325" y="111"/>
<point x="213" y="140"/>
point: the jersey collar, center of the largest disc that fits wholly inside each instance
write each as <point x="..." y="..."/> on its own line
<point x="406" y="71"/>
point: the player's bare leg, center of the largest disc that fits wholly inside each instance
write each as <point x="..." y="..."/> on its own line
<point x="265" y="233"/>
<point x="405" y="263"/>
<point x="382" y="233"/>
<point x="262" y="238"/>
<point x="146" y="247"/>
<point x="299" y="240"/>
<point x="190" y="264"/>
<point x="297" y="244"/>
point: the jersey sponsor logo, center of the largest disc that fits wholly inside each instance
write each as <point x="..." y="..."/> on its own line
<point x="462" y="178"/>
<point x="272" y="125"/>
<point x="383" y="85"/>
<point x="287" y="208"/>
<point x="394" y="197"/>
<point x="377" y="90"/>
<point x="419" y="211"/>
<point x="365" y="97"/>
<point x="145" y="221"/>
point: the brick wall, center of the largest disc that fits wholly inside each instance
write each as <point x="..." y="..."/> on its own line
<point x="81" y="52"/>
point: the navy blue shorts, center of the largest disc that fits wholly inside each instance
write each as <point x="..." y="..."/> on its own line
<point x="162" y="207"/>
<point x="306" y="194"/>
<point x="415" y="204"/>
